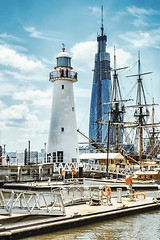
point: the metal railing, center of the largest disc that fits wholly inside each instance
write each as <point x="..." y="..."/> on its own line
<point x="28" y="202"/>
<point x="76" y="191"/>
<point x="87" y="167"/>
<point x="63" y="73"/>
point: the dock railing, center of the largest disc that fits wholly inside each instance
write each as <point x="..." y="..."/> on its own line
<point x="29" y="202"/>
<point x="75" y="191"/>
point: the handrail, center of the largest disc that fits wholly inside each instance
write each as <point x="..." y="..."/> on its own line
<point x="42" y="203"/>
<point x="62" y="73"/>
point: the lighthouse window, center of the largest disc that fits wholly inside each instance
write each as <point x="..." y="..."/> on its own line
<point x="60" y="156"/>
<point x="73" y="109"/>
<point x="62" y="129"/>
<point x="54" y="156"/>
<point x="74" y="160"/>
<point x="48" y="157"/>
<point x="63" y="61"/>
<point x="62" y="86"/>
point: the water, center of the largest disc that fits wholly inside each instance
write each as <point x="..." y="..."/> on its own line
<point x="144" y="226"/>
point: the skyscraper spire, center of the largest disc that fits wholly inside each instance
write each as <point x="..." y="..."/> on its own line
<point x="100" y="89"/>
<point x="102" y="20"/>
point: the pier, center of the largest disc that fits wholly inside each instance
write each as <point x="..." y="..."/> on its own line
<point x="22" y="225"/>
<point x="41" y="172"/>
<point x="45" y="185"/>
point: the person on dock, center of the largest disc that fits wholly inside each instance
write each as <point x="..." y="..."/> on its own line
<point x="7" y="159"/>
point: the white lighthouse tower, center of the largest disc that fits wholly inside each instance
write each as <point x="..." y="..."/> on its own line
<point x="63" y="139"/>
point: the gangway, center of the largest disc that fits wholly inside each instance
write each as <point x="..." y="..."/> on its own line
<point x="31" y="202"/>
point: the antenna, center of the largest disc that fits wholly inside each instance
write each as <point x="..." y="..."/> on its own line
<point x="102" y="19"/>
<point x="63" y="48"/>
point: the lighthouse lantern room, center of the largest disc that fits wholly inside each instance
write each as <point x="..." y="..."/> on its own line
<point x="63" y="139"/>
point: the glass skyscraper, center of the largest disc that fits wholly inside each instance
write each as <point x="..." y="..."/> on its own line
<point x="101" y="90"/>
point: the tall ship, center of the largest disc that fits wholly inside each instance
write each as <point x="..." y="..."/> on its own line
<point x="146" y="134"/>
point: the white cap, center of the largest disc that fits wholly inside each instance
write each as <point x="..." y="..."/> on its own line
<point x="63" y="54"/>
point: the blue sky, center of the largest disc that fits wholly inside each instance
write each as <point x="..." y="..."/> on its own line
<point x="31" y="36"/>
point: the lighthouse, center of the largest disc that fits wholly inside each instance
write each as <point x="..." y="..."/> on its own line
<point x="63" y="139"/>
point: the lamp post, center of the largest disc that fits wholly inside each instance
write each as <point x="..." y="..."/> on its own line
<point x="4" y="148"/>
<point x="4" y="152"/>
<point x="45" y="152"/>
<point x="29" y="152"/>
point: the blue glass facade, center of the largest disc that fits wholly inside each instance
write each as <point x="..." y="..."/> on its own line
<point x="101" y="90"/>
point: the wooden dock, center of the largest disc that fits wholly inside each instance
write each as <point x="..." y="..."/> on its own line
<point x="20" y="226"/>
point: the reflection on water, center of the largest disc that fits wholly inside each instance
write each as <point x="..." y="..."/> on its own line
<point x="140" y="226"/>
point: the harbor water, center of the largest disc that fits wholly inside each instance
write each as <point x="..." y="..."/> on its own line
<point x="138" y="226"/>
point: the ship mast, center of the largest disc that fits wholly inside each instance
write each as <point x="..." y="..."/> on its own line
<point x="153" y="133"/>
<point x="140" y="113"/>
<point x="117" y="111"/>
<point x="117" y="107"/>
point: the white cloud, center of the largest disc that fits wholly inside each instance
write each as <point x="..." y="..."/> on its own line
<point x="10" y="37"/>
<point x="8" y="89"/>
<point x="140" y="15"/>
<point x="143" y="39"/>
<point x="95" y="11"/>
<point x="83" y="55"/>
<point x="139" y="22"/>
<point x="82" y="92"/>
<point x="41" y="35"/>
<point x="9" y="57"/>
<point x="36" y="34"/>
<point x="122" y="57"/>
<point x="30" y="76"/>
<point x="138" y="12"/>
<point x="116" y="17"/>
<point x="2" y="105"/>
<point x="16" y="115"/>
<point x="39" y="98"/>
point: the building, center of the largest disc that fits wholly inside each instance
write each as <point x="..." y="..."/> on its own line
<point x="63" y="138"/>
<point x="101" y="158"/>
<point x="101" y="89"/>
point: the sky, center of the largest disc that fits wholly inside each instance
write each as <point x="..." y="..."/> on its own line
<point x="31" y="36"/>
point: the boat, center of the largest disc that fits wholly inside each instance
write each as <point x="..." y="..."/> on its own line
<point x="147" y="175"/>
<point x="116" y="124"/>
<point x="149" y="169"/>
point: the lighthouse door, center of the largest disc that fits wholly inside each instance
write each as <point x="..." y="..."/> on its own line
<point x="60" y="156"/>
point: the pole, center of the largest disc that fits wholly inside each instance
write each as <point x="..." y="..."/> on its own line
<point x="29" y="151"/>
<point x="45" y="152"/>
<point x="108" y="148"/>
<point x="4" y="149"/>
<point x="5" y="152"/>
<point x="141" y="113"/>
